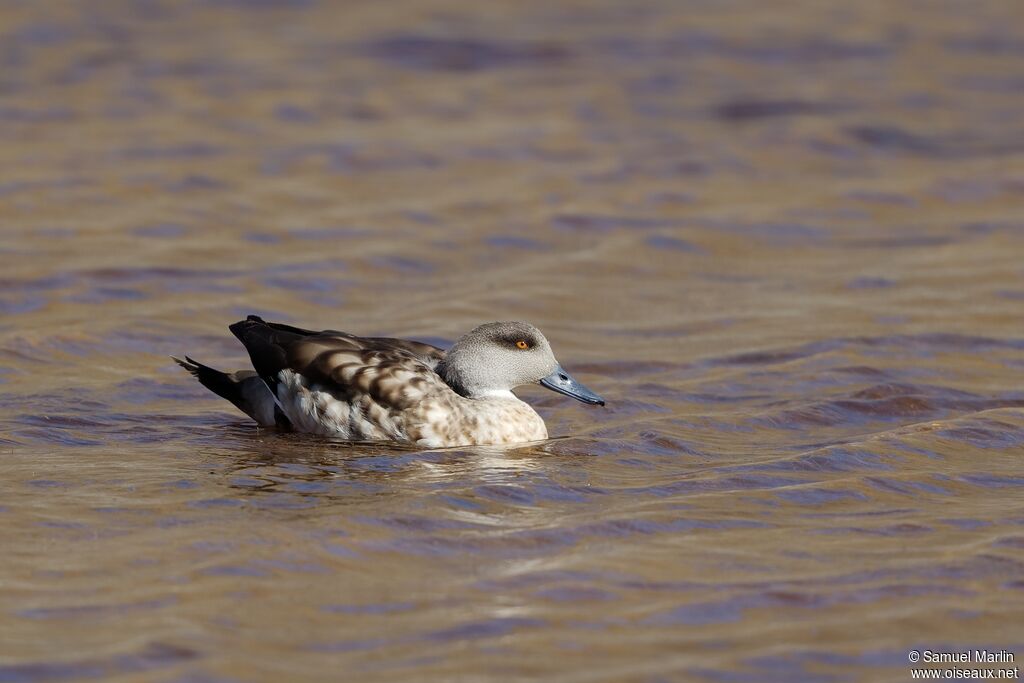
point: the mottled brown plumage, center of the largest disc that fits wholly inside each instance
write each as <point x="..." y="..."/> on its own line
<point x="373" y="388"/>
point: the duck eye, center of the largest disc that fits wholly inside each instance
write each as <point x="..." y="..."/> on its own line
<point x="521" y="344"/>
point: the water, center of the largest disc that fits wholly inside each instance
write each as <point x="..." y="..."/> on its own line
<point x="785" y="243"/>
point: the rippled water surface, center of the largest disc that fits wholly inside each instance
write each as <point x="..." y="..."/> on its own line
<point x="784" y="240"/>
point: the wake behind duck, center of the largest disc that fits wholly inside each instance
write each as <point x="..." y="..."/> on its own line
<point x="379" y="389"/>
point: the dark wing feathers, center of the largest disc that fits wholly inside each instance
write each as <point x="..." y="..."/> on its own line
<point x="266" y="346"/>
<point x="427" y="354"/>
<point x="281" y="327"/>
<point x="381" y="367"/>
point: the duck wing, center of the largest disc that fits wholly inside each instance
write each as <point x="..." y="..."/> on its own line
<point x="394" y="373"/>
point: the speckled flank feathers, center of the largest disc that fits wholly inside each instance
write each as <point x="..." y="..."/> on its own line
<point x="364" y="388"/>
<point x="427" y="413"/>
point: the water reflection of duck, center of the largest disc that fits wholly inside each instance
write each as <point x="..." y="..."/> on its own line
<point x="379" y="389"/>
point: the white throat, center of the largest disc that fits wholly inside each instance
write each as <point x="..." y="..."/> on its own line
<point x="497" y="393"/>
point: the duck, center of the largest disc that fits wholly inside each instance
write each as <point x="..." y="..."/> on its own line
<point x="336" y="384"/>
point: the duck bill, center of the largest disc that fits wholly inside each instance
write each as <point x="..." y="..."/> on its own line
<point x="563" y="383"/>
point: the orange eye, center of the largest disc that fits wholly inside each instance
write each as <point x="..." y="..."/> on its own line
<point x="522" y="344"/>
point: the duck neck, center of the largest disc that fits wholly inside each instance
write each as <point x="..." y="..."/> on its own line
<point x="451" y="376"/>
<point x="495" y="393"/>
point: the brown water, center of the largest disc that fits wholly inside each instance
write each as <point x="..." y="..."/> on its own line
<point x="785" y="241"/>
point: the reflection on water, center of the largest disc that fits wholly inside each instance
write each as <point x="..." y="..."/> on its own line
<point x="784" y="242"/>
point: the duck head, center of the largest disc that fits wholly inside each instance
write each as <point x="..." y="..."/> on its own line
<point x="495" y="358"/>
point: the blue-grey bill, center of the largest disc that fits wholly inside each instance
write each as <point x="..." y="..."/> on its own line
<point x="563" y="383"/>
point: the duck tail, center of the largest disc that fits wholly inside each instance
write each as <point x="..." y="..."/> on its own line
<point x="245" y="390"/>
<point x="216" y="381"/>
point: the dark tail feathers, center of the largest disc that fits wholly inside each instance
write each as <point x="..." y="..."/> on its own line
<point x="216" y="381"/>
<point x="245" y="390"/>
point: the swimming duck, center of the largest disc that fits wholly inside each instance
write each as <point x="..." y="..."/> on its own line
<point x="379" y="389"/>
